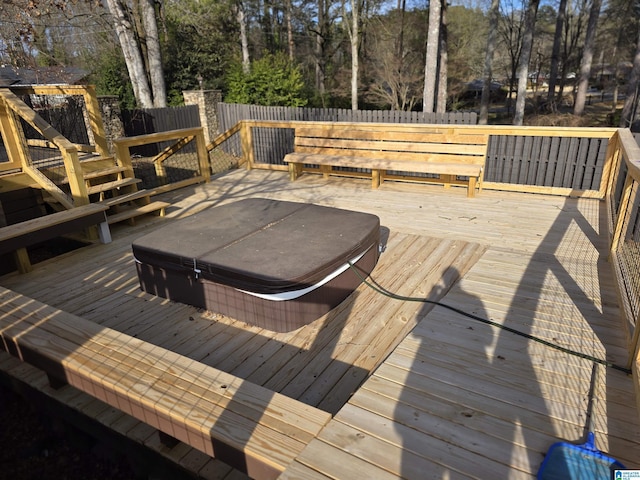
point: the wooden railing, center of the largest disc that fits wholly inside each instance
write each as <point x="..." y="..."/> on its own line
<point x="179" y="138"/>
<point x="12" y="109"/>
<point x="623" y="205"/>
<point x="549" y="160"/>
<point x="91" y="111"/>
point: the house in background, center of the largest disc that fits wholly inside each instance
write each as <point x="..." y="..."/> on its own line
<point x="41" y="76"/>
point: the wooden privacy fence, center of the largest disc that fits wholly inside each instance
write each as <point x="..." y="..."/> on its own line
<point x="231" y="113"/>
<point x="273" y="144"/>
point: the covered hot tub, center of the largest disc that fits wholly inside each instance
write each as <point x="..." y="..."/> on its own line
<point x="275" y="264"/>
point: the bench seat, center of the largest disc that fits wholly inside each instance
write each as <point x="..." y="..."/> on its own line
<point x="247" y="426"/>
<point x="447" y="153"/>
<point x="16" y="237"/>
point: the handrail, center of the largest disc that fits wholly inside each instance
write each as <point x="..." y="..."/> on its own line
<point x="624" y="212"/>
<point x="67" y="150"/>
<point x="220" y="139"/>
<point x="250" y="150"/>
<point x="183" y="136"/>
<point x="630" y="152"/>
<point x="95" y="127"/>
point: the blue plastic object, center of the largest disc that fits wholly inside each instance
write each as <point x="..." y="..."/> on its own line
<point x="567" y="461"/>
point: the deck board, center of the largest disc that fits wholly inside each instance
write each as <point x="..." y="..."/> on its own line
<point x="448" y="398"/>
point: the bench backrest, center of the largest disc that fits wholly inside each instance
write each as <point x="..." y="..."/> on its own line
<point x="434" y="145"/>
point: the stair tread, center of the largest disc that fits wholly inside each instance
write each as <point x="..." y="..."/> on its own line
<point x="127" y="197"/>
<point x="104" y="187"/>
<point x="134" y="212"/>
<point x="95" y="173"/>
<point x="103" y="172"/>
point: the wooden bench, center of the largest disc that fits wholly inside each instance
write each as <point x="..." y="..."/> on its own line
<point x="390" y="152"/>
<point x="253" y="429"/>
<point x="17" y="237"/>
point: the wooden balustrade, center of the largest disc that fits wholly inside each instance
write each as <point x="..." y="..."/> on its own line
<point x="180" y="137"/>
<point x="624" y="208"/>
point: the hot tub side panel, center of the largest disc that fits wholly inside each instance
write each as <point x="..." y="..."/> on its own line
<point x="275" y="315"/>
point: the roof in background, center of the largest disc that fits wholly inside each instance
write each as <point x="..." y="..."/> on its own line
<point x="41" y="76"/>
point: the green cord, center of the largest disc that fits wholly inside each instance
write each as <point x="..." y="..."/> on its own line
<point x="383" y="291"/>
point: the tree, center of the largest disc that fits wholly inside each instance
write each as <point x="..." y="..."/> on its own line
<point x="511" y="28"/>
<point x="203" y="43"/>
<point x="525" y="56"/>
<point x="272" y="80"/>
<point x="396" y="77"/>
<point x="555" y="54"/>
<point x="487" y="76"/>
<point x="154" y="57"/>
<point x="244" y="40"/>
<point x="432" y="56"/>
<point x="633" y="87"/>
<point x="320" y="34"/>
<point x="443" y="61"/>
<point x="137" y="66"/>
<point x="587" y="58"/>
<point x="351" y="20"/>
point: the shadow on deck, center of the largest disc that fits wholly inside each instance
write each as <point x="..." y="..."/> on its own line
<point x="461" y="398"/>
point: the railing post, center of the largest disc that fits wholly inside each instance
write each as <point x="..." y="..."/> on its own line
<point x="621" y="221"/>
<point x="611" y="163"/>
<point x="246" y="140"/>
<point x="76" y="178"/>
<point x="123" y="158"/>
<point x="203" y="156"/>
<point x="95" y="120"/>
<point x="15" y="143"/>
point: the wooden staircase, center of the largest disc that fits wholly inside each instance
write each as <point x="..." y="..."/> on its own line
<point x="108" y="184"/>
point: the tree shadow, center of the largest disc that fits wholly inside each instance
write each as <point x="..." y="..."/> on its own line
<point x="471" y="378"/>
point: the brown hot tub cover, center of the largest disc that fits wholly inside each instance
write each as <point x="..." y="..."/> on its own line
<point x="275" y="264"/>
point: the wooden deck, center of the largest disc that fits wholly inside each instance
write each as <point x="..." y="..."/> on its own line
<point x="449" y="397"/>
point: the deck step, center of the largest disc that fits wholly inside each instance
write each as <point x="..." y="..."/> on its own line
<point x="136" y="212"/>
<point x="105" y="187"/>
<point x="103" y="172"/>
<point x="127" y="197"/>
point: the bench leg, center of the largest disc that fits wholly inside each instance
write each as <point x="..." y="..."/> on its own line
<point x="104" y="232"/>
<point x="326" y="170"/>
<point x="21" y="257"/>
<point x="471" y="192"/>
<point x="375" y="179"/>
<point x="294" y="170"/>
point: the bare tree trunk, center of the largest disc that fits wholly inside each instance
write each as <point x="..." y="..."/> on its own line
<point x="156" y="72"/>
<point x="132" y="56"/>
<point x="631" y="101"/>
<point x="354" y="35"/>
<point x="431" y="61"/>
<point x="319" y="49"/>
<point x="487" y="75"/>
<point x="244" y="41"/>
<point x="555" y="54"/>
<point x="587" y="58"/>
<point x="525" y="56"/>
<point x="441" y="96"/>
<point x="290" y="42"/>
